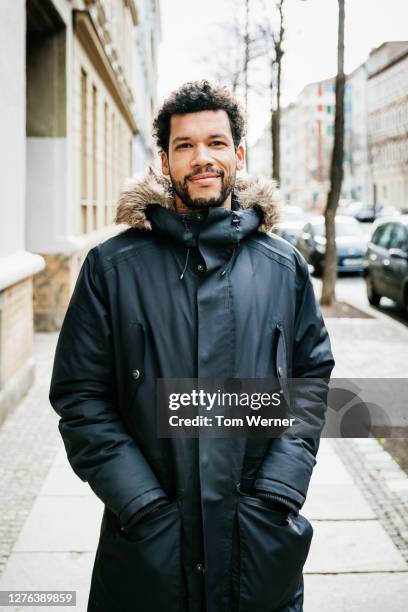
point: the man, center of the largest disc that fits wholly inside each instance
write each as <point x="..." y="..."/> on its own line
<point x="195" y="288"/>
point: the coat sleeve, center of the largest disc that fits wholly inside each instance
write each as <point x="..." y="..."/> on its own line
<point x="99" y="447"/>
<point x="289" y="462"/>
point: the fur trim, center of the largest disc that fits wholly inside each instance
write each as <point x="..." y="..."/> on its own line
<point x="154" y="188"/>
<point x="255" y="191"/>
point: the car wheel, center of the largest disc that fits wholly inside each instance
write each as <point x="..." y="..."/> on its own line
<point x="372" y="295"/>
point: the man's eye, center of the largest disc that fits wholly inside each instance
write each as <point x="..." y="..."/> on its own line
<point x="217" y="142"/>
<point x="184" y="145"/>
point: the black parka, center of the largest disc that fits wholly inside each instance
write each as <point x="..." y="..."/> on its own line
<point x="161" y="301"/>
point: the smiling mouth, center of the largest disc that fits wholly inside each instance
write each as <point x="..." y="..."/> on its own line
<point x="204" y="179"/>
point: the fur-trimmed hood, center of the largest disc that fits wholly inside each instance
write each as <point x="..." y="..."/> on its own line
<point x="251" y="191"/>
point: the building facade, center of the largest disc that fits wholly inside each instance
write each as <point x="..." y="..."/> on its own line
<point x="307" y="132"/>
<point x="358" y="172"/>
<point x="375" y="141"/>
<point x="148" y="35"/>
<point x="387" y="84"/>
<point x="72" y="109"/>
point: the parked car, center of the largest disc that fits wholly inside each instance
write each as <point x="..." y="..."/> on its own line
<point x="293" y="220"/>
<point x="351" y="243"/>
<point x="387" y="211"/>
<point x="290" y="230"/>
<point x="367" y="214"/>
<point x="386" y="263"/>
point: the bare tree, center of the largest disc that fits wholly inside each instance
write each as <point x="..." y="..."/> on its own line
<point x="336" y="172"/>
<point x="276" y="113"/>
<point x="272" y="31"/>
<point x="271" y="40"/>
<point x="234" y="58"/>
<point x="227" y="50"/>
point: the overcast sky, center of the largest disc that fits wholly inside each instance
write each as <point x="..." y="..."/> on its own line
<point x="189" y="33"/>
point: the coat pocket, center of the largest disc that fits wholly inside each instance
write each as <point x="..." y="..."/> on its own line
<point x="272" y="552"/>
<point x="281" y="361"/>
<point x="145" y="572"/>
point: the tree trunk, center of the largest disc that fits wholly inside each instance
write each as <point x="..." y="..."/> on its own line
<point x="276" y="114"/>
<point x="246" y="85"/>
<point x="336" y="173"/>
<point x="272" y="102"/>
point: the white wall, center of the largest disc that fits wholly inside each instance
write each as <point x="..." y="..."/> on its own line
<point x="12" y="125"/>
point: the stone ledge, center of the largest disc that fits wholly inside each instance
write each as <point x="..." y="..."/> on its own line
<point x="18" y="266"/>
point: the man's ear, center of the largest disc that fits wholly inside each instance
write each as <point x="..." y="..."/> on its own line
<point x="240" y="156"/>
<point x="165" y="163"/>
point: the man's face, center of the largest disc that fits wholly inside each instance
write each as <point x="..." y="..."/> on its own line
<point x="202" y="160"/>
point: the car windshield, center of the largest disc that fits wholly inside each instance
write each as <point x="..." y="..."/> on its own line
<point x="343" y="228"/>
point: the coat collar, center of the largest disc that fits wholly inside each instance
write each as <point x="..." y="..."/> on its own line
<point x="259" y="196"/>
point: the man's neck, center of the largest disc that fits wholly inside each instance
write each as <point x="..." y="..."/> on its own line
<point x="185" y="210"/>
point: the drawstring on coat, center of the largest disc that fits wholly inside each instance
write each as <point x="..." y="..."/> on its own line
<point x="235" y="221"/>
<point x="230" y="261"/>
<point x="188" y="250"/>
<point x="185" y="265"/>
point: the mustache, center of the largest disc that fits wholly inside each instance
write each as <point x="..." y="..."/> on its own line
<point x="202" y="170"/>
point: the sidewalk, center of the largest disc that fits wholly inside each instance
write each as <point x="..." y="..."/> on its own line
<point x="353" y="563"/>
<point x="356" y="562"/>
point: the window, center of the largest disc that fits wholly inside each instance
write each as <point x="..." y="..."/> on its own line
<point x="113" y="157"/>
<point x="105" y="159"/>
<point x="375" y="238"/>
<point x="385" y="237"/>
<point x="84" y="151"/>
<point x="399" y="238"/>
<point x="94" y="154"/>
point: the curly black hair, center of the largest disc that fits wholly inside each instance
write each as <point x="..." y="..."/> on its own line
<point x="193" y="97"/>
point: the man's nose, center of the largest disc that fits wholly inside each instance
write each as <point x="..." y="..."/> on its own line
<point x="202" y="156"/>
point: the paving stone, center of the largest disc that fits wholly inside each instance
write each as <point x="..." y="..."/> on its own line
<point x="49" y="571"/>
<point x="330" y="470"/>
<point x="58" y="524"/>
<point x="372" y="592"/>
<point x="61" y="456"/>
<point x="398" y="484"/>
<point x="336" y="502"/>
<point x="61" y="480"/>
<point x="352" y="546"/>
<point x="325" y="448"/>
<point x="390" y="503"/>
<point x="368" y="339"/>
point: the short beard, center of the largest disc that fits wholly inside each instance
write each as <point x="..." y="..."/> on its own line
<point x="181" y="189"/>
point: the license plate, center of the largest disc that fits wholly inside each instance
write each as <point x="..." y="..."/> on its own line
<point x="352" y="262"/>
